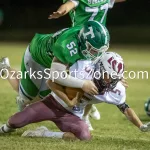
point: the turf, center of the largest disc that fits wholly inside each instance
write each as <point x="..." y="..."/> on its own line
<point x="112" y="132"/>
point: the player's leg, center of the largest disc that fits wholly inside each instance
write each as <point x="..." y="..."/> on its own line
<point x="85" y="117"/>
<point x="90" y="110"/>
<point x="9" y="73"/>
<point x="44" y="89"/>
<point x="35" y="112"/>
<point x="72" y="127"/>
<point x="4" y="65"/>
<point x="45" y="132"/>
<point x="13" y="79"/>
<point x="94" y="113"/>
<point x="41" y="111"/>
<point x="31" y="80"/>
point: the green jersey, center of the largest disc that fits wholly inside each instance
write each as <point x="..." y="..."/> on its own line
<point x="90" y="10"/>
<point x="40" y="49"/>
<point x="63" y="45"/>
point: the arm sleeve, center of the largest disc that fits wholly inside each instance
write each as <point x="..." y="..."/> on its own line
<point x="76" y="2"/>
<point x="60" y="76"/>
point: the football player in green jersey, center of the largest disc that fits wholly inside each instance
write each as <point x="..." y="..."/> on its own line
<point x="48" y="56"/>
<point x="81" y="11"/>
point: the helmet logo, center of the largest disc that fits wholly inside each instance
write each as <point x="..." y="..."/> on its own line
<point x="116" y="66"/>
<point x="120" y="67"/>
<point x="89" y="33"/>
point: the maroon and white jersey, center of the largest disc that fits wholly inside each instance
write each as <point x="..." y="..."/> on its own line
<point x="84" y="70"/>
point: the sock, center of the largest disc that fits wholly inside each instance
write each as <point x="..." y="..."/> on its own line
<point x="85" y="117"/>
<point x="93" y="108"/>
<point x="6" y="129"/>
<point x="58" y="135"/>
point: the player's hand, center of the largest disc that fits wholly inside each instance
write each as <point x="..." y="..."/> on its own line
<point x="75" y="100"/>
<point x="124" y="83"/>
<point x="89" y="87"/>
<point x="57" y="14"/>
<point x="145" y="127"/>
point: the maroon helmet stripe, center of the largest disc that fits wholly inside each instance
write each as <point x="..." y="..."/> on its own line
<point x="120" y="67"/>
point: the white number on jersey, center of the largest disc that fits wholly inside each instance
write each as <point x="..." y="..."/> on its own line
<point x="71" y="46"/>
<point x="94" y="11"/>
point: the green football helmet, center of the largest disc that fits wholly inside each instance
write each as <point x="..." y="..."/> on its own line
<point x="94" y="39"/>
<point x="147" y="107"/>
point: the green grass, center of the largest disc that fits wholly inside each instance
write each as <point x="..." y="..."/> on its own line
<point x="112" y="132"/>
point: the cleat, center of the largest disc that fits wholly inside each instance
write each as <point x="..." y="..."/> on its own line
<point x="4" y="64"/>
<point x="87" y="121"/>
<point x="39" y="132"/>
<point x="29" y="133"/>
<point x="94" y="113"/>
<point x="42" y="128"/>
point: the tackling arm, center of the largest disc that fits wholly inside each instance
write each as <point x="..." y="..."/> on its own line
<point x="131" y="115"/>
<point x="63" y="9"/>
<point x="60" y="76"/>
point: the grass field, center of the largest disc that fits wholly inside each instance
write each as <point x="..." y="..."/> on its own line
<point x="112" y="132"/>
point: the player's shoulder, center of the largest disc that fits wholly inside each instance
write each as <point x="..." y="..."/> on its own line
<point x="66" y="45"/>
<point x="93" y="3"/>
<point x="68" y="35"/>
<point x="65" y="39"/>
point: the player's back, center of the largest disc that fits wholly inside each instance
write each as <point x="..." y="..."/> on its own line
<point x="40" y="49"/>
<point x="62" y="44"/>
<point x="66" y="47"/>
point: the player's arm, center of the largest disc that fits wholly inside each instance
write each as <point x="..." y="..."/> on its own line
<point x="64" y="9"/>
<point x="131" y="115"/>
<point x="60" y="76"/>
<point x="60" y="92"/>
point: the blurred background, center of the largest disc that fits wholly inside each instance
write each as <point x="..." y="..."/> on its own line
<point x="128" y="22"/>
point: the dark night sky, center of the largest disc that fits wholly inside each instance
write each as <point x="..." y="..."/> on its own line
<point x="31" y="13"/>
<point x="30" y="16"/>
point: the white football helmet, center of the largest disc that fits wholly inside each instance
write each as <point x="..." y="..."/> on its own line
<point x="112" y="64"/>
